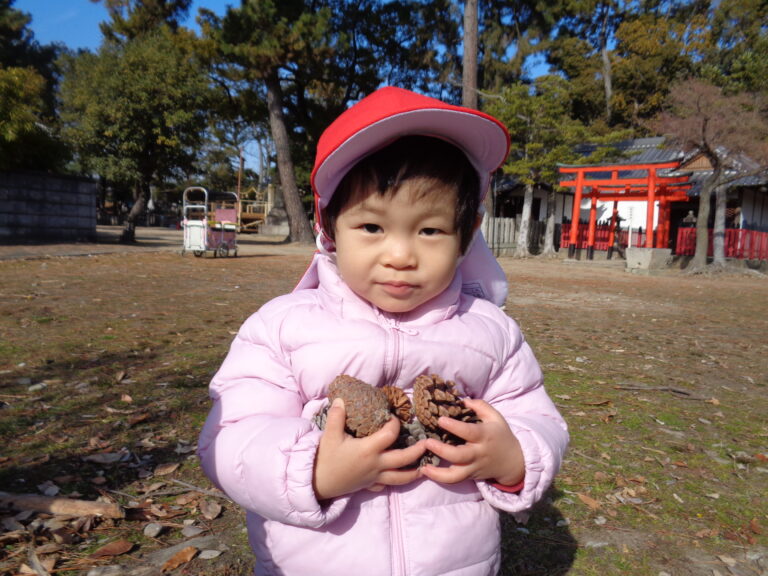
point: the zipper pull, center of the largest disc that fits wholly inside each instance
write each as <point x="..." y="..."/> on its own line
<point x="394" y="324"/>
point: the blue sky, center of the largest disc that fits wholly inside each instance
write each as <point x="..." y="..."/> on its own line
<point x="75" y="23"/>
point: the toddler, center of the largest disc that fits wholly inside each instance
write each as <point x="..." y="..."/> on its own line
<point x="402" y="285"/>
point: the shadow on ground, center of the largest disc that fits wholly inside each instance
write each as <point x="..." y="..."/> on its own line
<point x="544" y="546"/>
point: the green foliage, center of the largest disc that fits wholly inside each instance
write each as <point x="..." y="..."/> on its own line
<point x="542" y="131"/>
<point x="326" y="54"/>
<point x="575" y="59"/>
<point x="737" y="56"/>
<point x="25" y="143"/>
<point x="15" y="35"/>
<point x="134" y="18"/>
<point x="135" y="112"/>
<point x="651" y="56"/>
<point x="510" y="31"/>
<point x="27" y="82"/>
<point x="20" y="103"/>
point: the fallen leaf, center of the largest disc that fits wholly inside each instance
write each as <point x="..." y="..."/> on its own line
<point x="165" y="469"/>
<point x="707" y="533"/>
<point x="115" y="548"/>
<point x="120" y="376"/>
<point x="727" y="560"/>
<point x="107" y="457"/>
<point x="186" y="498"/>
<point x="754" y="525"/>
<point x="181" y="557"/>
<point x="111" y="410"/>
<point x="49" y="548"/>
<point x="126" y="398"/>
<point x="152" y="487"/>
<point x="98" y="443"/>
<point x="210" y="509"/>
<point x="210" y="554"/>
<point x="589" y="501"/>
<point x="714" y="401"/>
<point x="133" y="420"/>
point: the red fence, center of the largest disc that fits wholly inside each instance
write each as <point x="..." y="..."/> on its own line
<point x="602" y="234"/>
<point x="739" y="243"/>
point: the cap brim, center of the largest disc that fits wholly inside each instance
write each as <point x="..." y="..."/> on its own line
<point x="481" y="138"/>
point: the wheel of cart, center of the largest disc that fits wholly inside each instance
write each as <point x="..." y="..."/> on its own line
<point x="209" y="220"/>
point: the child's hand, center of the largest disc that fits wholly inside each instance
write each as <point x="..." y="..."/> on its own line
<point x="345" y="464"/>
<point x="491" y="452"/>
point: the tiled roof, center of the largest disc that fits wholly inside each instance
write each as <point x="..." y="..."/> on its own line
<point x="652" y="150"/>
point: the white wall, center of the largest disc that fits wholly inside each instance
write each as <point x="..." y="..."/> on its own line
<point x="633" y="213"/>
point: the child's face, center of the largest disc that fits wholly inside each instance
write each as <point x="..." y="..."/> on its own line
<point x="398" y="250"/>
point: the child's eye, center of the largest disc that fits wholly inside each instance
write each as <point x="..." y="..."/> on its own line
<point x="431" y="231"/>
<point x="371" y="228"/>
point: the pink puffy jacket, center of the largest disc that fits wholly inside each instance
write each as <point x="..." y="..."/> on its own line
<point x="258" y="444"/>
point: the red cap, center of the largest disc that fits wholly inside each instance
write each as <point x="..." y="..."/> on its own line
<point x="390" y="113"/>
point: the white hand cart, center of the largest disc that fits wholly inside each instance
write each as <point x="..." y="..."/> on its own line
<point x="210" y="222"/>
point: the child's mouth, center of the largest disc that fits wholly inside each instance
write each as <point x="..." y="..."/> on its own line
<point x="398" y="289"/>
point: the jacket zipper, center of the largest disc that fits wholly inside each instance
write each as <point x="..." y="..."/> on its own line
<point x="393" y="367"/>
<point x="398" y="552"/>
<point x="396" y="531"/>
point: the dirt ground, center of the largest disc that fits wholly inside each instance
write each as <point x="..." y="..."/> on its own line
<point x="106" y="352"/>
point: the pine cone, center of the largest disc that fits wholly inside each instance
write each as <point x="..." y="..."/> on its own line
<point x="399" y="403"/>
<point x="433" y="397"/>
<point x="367" y="407"/>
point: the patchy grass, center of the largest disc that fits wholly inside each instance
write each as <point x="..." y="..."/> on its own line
<point x="661" y="379"/>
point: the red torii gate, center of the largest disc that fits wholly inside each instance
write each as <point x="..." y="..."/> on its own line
<point x="648" y="188"/>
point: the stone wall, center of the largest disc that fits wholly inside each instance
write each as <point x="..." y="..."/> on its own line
<point x="38" y="207"/>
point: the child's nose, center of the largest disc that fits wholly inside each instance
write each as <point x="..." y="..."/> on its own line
<point x="400" y="253"/>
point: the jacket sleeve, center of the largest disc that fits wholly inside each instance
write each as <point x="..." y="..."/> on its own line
<point x="255" y="446"/>
<point x="518" y="393"/>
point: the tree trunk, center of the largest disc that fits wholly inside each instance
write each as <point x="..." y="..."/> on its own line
<point x="469" y="64"/>
<point x="299" y="228"/>
<point x="605" y="56"/>
<point x="718" y="232"/>
<point x="521" y="249"/>
<point x="699" y="261"/>
<point x="140" y="198"/>
<point x="469" y="74"/>
<point x="549" y="233"/>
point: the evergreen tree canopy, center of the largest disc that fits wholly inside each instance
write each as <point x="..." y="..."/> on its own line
<point x="135" y="113"/>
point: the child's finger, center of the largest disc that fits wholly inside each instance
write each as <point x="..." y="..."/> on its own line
<point x="385" y="436"/>
<point x="394" y="459"/>
<point x="466" y="430"/>
<point x="484" y="411"/>
<point x="461" y="454"/>
<point x="335" y="419"/>
<point x="449" y="475"/>
<point x="398" y="477"/>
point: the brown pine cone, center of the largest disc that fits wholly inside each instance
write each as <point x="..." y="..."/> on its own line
<point x="399" y="403"/>
<point x="367" y="407"/>
<point x="434" y="397"/>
